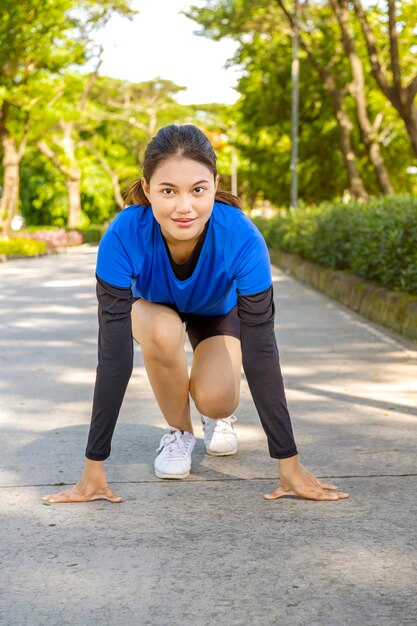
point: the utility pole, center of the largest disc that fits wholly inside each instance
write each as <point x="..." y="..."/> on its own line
<point x="295" y="74"/>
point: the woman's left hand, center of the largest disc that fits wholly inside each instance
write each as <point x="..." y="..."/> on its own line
<point x="295" y="480"/>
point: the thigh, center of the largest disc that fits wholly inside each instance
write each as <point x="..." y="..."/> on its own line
<point x="156" y="324"/>
<point x="216" y="371"/>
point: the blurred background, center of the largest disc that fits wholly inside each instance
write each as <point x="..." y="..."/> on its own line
<point x="310" y="107"/>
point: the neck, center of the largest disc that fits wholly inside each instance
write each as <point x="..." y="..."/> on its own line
<point x="182" y="250"/>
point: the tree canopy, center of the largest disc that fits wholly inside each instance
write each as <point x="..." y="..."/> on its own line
<point x="72" y="140"/>
<point x="358" y="83"/>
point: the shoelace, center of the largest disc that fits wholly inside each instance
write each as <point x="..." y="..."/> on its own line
<point x="172" y="441"/>
<point x="221" y="425"/>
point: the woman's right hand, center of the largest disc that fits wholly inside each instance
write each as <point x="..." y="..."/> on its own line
<point x="93" y="485"/>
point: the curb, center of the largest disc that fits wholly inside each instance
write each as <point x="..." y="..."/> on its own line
<point x="396" y="310"/>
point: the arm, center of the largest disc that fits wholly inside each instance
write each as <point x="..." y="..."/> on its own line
<point x="261" y="365"/>
<point x="262" y="368"/>
<point x="115" y="364"/>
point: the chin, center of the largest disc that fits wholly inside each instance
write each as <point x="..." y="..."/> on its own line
<point x="185" y="236"/>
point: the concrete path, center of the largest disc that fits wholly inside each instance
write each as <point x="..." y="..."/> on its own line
<point x="207" y="550"/>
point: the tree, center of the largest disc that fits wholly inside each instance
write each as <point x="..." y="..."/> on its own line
<point x="338" y="102"/>
<point x="263" y="32"/>
<point x="38" y="39"/>
<point x="357" y="89"/>
<point x="105" y="139"/>
<point x="69" y="114"/>
<point x="328" y="71"/>
<point x="401" y="68"/>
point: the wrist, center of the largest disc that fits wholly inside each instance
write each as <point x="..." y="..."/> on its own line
<point x="289" y="463"/>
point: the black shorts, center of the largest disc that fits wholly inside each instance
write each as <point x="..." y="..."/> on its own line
<point x="200" y="327"/>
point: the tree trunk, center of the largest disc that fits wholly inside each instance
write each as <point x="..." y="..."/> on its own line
<point x="340" y="9"/>
<point x="357" y="188"/>
<point x="73" y="184"/>
<point x="116" y="190"/>
<point x="71" y="172"/>
<point x="410" y="120"/>
<point x="10" y="197"/>
<point x="401" y="98"/>
<point x="112" y="175"/>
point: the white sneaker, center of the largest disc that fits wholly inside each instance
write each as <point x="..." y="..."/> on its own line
<point x="174" y="458"/>
<point x="219" y="436"/>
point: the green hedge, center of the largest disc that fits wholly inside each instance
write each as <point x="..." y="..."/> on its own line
<point x="93" y="233"/>
<point x="19" y="246"/>
<point x="376" y="240"/>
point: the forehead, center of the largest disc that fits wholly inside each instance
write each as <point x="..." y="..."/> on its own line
<point x="180" y="170"/>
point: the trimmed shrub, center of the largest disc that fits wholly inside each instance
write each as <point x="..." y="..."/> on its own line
<point x="376" y="240"/>
<point x="93" y="233"/>
<point x="20" y="246"/>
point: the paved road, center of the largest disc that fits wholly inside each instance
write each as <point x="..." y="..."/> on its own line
<point x="207" y="550"/>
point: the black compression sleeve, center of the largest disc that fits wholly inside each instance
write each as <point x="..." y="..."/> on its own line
<point x="115" y="364"/>
<point x="262" y="368"/>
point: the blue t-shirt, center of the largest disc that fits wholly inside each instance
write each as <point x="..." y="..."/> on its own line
<point x="234" y="260"/>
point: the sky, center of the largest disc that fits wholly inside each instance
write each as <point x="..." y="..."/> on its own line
<point x="159" y="42"/>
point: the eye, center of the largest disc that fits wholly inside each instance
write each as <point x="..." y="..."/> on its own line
<point x="201" y="189"/>
<point x="165" y="190"/>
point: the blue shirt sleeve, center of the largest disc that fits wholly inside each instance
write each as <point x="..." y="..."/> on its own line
<point x="113" y="263"/>
<point x="252" y="268"/>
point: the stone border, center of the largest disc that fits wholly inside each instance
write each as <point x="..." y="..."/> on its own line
<point x="396" y="310"/>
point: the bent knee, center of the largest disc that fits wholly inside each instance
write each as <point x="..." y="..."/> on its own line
<point x="217" y="405"/>
<point x="158" y="330"/>
<point x="163" y="343"/>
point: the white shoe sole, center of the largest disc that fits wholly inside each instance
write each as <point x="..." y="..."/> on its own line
<point x="171" y="476"/>
<point x="228" y="453"/>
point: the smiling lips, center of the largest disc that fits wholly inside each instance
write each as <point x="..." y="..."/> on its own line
<point x="184" y="222"/>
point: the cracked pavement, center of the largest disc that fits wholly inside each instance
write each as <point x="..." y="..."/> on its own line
<point x="208" y="549"/>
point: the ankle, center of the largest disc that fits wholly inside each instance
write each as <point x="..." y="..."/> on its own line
<point x="182" y="429"/>
<point x="93" y="472"/>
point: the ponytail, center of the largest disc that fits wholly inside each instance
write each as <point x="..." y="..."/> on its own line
<point x="136" y="195"/>
<point x="228" y="198"/>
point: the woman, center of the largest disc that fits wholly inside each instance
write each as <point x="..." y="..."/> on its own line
<point x="185" y="254"/>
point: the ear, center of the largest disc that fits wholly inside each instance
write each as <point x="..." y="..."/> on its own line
<point x="146" y="188"/>
<point x="216" y="182"/>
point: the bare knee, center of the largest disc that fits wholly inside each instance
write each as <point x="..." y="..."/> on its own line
<point x="215" y="405"/>
<point x="163" y="345"/>
<point x="159" y="331"/>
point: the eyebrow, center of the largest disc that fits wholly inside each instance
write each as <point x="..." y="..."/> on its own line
<point x="172" y="184"/>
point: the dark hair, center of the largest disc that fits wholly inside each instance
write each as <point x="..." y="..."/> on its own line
<point x="177" y="140"/>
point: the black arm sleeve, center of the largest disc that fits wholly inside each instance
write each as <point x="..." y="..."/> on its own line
<point x="262" y="369"/>
<point x="115" y="364"/>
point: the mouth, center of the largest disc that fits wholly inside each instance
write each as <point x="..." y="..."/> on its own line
<point x="184" y="222"/>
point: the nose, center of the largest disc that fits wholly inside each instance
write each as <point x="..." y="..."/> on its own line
<point x="184" y="205"/>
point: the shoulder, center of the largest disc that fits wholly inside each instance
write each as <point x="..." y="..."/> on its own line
<point x="238" y="226"/>
<point x="131" y="217"/>
<point x="225" y="215"/>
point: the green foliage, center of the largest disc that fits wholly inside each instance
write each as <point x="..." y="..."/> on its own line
<point x="93" y="233"/>
<point x="42" y="191"/>
<point x="263" y="131"/>
<point x="376" y="240"/>
<point x="108" y="121"/>
<point x="19" y="246"/>
<point x="112" y="132"/>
